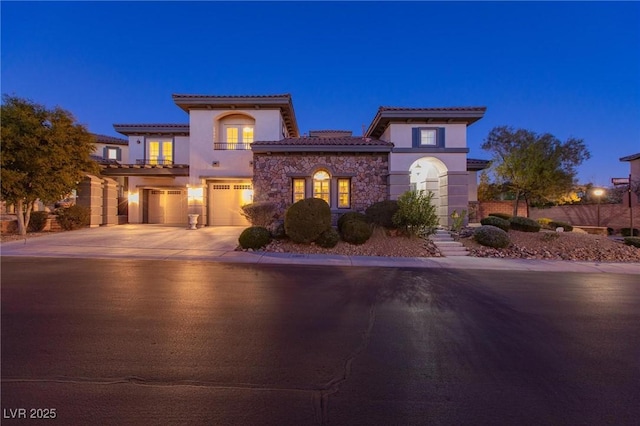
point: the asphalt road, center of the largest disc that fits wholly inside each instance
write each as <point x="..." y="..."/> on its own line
<point x="157" y="342"/>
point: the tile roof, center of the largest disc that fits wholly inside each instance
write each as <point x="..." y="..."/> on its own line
<point x="631" y="157"/>
<point x="341" y="144"/>
<point x="152" y="128"/>
<point x="342" y="141"/>
<point x="386" y="115"/>
<point x="475" y="164"/>
<point x="110" y="140"/>
<point x="231" y="102"/>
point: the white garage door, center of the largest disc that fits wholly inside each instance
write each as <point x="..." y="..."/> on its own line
<point x="168" y="206"/>
<point x="225" y="200"/>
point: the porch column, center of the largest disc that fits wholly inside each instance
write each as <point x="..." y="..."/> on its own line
<point x="109" y="202"/>
<point x="454" y="195"/>
<point x="90" y="195"/>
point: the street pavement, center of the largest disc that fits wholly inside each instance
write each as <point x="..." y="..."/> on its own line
<point x="218" y="244"/>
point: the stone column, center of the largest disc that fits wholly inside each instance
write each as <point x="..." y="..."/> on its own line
<point x="90" y="195"/>
<point x="109" y="202"/>
<point x="456" y="185"/>
<point x="399" y="183"/>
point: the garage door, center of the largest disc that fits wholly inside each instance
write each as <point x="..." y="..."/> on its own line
<point x="225" y="200"/>
<point x="168" y="207"/>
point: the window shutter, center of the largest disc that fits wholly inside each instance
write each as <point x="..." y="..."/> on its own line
<point x="119" y="154"/>
<point x="440" y="141"/>
<point x="105" y="153"/>
<point x="415" y="133"/>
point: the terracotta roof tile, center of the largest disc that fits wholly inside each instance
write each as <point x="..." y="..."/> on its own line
<point x="110" y="140"/>
<point x="315" y="142"/>
<point x="463" y="108"/>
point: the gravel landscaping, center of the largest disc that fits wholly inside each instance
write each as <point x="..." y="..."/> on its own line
<point x="524" y="245"/>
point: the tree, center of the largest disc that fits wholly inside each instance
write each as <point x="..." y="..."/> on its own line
<point x="44" y="155"/>
<point x="534" y="167"/>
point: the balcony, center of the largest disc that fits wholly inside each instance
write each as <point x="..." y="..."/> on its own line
<point x="232" y="146"/>
<point x="147" y="167"/>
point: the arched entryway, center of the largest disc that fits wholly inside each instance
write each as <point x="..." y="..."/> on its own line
<point x="429" y="174"/>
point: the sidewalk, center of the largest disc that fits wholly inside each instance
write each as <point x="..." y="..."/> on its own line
<point x="217" y="244"/>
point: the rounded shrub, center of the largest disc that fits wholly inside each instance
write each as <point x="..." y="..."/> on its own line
<point x="350" y="216"/>
<point x="74" y="217"/>
<point x="328" y="239"/>
<point x="626" y="232"/>
<point x="356" y="232"/>
<point x="632" y="241"/>
<point x="306" y="219"/>
<point x="504" y="216"/>
<point x="496" y="221"/>
<point x="37" y="221"/>
<point x="254" y="237"/>
<point x="554" y="224"/>
<point x="524" y="224"/>
<point x="491" y="236"/>
<point x="381" y="213"/>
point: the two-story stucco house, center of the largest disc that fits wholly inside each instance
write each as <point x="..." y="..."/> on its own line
<point x="239" y="149"/>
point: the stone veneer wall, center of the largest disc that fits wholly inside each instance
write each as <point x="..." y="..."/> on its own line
<point x="273" y="173"/>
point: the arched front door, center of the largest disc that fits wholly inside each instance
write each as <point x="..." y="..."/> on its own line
<point x="428" y="173"/>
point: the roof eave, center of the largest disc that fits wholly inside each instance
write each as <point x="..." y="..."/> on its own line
<point x="384" y="117"/>
<point x="262" y="149"/>
<point x="144" y="129"/>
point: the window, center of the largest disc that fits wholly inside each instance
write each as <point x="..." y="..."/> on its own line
<point x="238" y="136"/>
<point x="112" y="153"/>
<point x="298" y="190"/>
<point x="160" y="152"/>
<point x="428" y="137"/>
<point x="321" y="182"/>
<point x="344" y="193"/>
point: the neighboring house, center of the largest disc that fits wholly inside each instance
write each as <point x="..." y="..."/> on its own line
<point x="239" y="149"/>
<point x="634" y="173"/>
<point x="110" y="150"/>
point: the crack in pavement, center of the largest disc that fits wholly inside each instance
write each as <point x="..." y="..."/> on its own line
<point x="320" y="396"/>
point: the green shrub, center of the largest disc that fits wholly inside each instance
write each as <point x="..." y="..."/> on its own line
<point x="491" y="236"/>
<point x="37" y="221"/>
<point x="356" y="232"/>
<point x="416" y="213"/>
<point x="524" y="224"/>
<point x="496" y="221"/>
<point x="74" y="217"/>
<point x="504" y="216"/>
<point x="632" y="241"/>
<point x="328" y="239"/>
<point x="544" y="222"/>
<point x="259" y="213"/>
<point x="306" y="219"/>
<point x="276" y="229"/>
<point x="350" y="216"/>
<point x="254" y="237"/>
<point x="549" y="236"/>
<point x="381" y="213"/>
<point x="610" y="231"/>
<point x="457" y="220"/>
<point x="626" y="232"/>
<point x="554" y="224"/>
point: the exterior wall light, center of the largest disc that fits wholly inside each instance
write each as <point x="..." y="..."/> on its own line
<point x="133" y="197"/>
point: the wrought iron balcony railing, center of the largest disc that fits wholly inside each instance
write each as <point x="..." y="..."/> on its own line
<point x="150" y="162"/>
<point x="232" y="146"/>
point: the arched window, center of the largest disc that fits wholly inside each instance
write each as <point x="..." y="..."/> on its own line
<point x="234" y="132"/>
<point x="321" y="184"/>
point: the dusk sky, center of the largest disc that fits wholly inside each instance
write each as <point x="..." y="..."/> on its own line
<point x="570" y="69"/>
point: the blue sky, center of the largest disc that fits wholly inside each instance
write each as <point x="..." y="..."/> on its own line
<point x="570" y="69"/>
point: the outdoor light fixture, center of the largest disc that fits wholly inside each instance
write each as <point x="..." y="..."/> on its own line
<point x="598" y="192"/>
<point x="195" y="193"/>
<point x="133" y="197"/>
<point x="247" y="196"/>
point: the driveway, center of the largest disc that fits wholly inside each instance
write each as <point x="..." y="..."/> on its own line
<point x="154" y="241"/>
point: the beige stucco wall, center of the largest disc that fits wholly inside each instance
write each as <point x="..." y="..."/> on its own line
<point x="401" y="134"/>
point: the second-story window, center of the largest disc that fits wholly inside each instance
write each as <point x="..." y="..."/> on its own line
<point x="234" y="132"/>
<point x="159" y="151"/>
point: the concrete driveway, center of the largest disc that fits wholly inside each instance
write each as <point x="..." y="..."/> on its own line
<point x="135" y="241"/>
